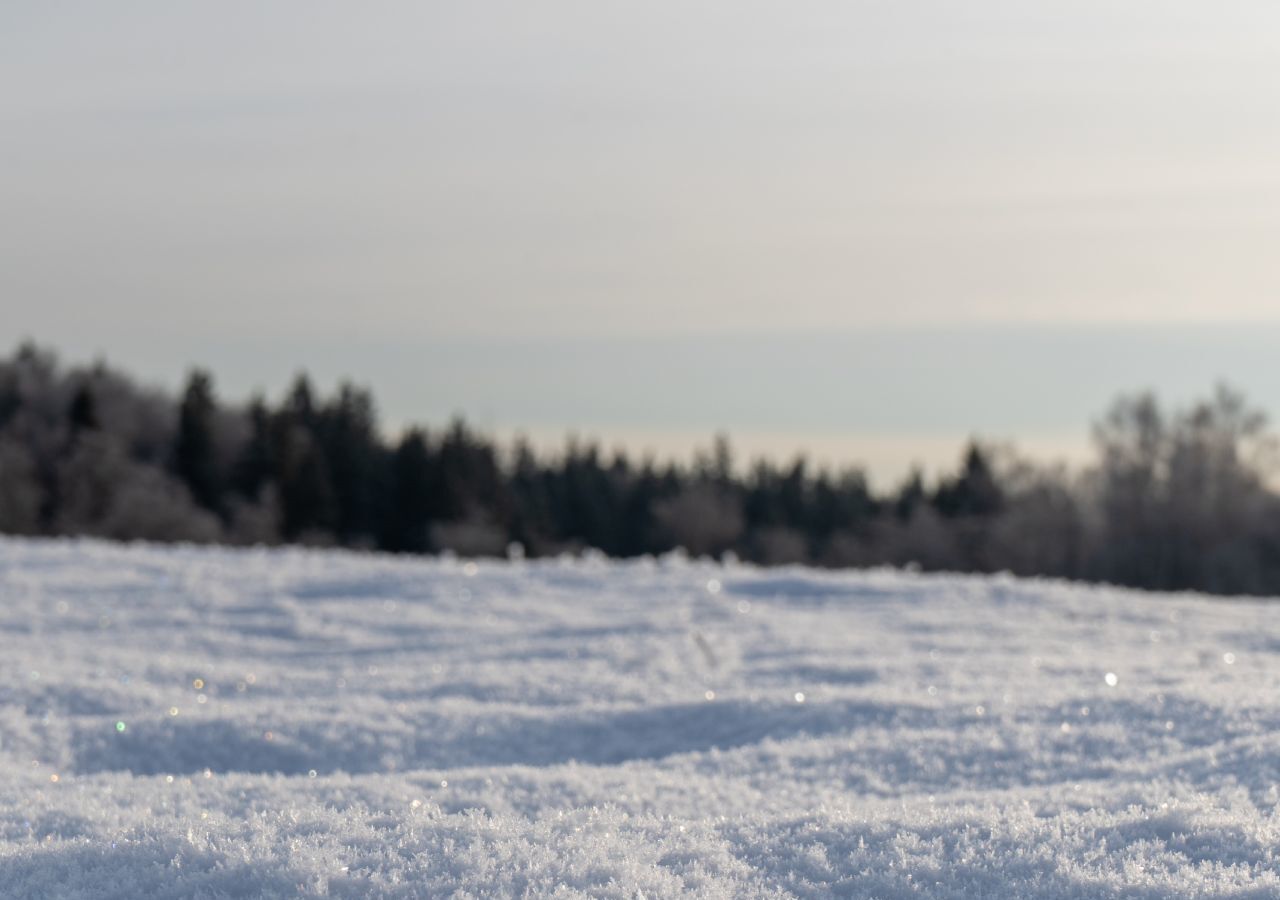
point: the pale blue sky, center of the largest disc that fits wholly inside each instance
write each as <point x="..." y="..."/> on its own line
<point x="472" y="206"/>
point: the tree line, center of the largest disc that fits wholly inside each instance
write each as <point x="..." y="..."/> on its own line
<point x="1174" y="500"/>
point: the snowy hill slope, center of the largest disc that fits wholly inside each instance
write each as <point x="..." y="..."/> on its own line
<point x="202" y="722"/>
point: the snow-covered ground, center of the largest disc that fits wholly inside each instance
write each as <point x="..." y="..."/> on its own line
<point x="204" y="722"/>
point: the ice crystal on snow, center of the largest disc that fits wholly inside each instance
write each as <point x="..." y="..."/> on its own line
<point x="541" y="732"/>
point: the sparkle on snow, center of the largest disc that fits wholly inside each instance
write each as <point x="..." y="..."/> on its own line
<point x="362" y="725"/>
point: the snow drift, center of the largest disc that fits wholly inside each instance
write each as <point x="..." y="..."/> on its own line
<point x="212" y="723"/>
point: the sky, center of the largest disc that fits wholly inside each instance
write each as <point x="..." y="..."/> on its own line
<point x="849" y="224"/>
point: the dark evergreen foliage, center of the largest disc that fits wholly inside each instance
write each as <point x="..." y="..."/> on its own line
<point x="1175" y="501"/>
<point x="195" y="457"/>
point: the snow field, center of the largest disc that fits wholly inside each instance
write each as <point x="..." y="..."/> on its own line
<point x="182" y="722"/>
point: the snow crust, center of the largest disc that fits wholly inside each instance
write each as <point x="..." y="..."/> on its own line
<point x="218" y="723"/>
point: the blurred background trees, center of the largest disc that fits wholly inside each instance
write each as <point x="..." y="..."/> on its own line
<point x="1186" y="500"/>
<point x="1181" y="499"/>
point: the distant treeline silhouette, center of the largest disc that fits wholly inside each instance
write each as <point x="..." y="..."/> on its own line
<point x="1181" y="501"/>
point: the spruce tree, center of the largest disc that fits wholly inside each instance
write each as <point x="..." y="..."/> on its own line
<point x="195" y="457"/>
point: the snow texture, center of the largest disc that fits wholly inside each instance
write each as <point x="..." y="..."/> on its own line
<point x="218" y="723"/>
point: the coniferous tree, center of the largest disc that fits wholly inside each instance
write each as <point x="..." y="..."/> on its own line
<point x="974" y="492"/>
<point x="347" y="430"/>
<point x="195" y="454"/>
<point x="910" y="496"/>
<point x="83" y="414"/>
<point x="307" y="503"/>
<point x="412" y="499"/>
<point x="533" y="525"/>
<point x="255" y="468"/>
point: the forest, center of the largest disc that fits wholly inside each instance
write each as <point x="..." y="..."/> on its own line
<point x="1173" y="500"/>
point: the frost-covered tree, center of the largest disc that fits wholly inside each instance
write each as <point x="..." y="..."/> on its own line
<point x="1183" y="500"/>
